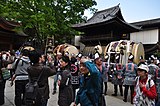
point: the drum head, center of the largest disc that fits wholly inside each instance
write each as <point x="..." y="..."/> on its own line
<point x="71" y="50"/>
<point x="138" y="51"/>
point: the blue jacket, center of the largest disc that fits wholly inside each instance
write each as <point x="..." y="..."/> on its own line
<point x="90" y="86"/>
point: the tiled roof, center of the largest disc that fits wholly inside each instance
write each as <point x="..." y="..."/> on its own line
<point x="148" y="23"/>
<point x="104" y="16"/>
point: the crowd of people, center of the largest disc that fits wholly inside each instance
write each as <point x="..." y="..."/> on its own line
<point x="87" y="75"/>
<point x="142" y="79"/>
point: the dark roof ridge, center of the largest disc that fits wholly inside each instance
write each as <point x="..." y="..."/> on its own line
<point x="109" y="8"/>
<point x="148" y="20"/>
<point x="105" y="16"/>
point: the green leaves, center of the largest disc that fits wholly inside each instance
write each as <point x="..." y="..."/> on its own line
<point x="47" y="17"/>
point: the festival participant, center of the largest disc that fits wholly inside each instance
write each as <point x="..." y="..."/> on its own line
<point x="103" y="70"/>
<point x="117" y="79"/>
<point x="129" y="77"/>
<point x="158" y="86"/>
<point x="153" y="67"/>
<point x="3" y="64"/>
<point x="90" y="84"/>
<point x="141" y="61"/>
<point x="34" y="71"/>
<point x="145" y="88"/>
<point x="21" y="77"/>
<point x="65" y="97"/>
<point x="57" y="67"/>
<point x="74" y="68"/>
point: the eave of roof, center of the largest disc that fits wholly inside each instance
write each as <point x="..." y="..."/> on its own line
<point x="151" y="48"/>
<point x="22" y="34"/>
<point x="8" y="25"/>
<point x="115" y="24"/>
<point x="148" y="23"/>
<point x="130" y="25"/>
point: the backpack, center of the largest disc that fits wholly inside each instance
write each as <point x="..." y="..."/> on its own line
<point x="6" y="74"/>
<point x="31" y="91"/>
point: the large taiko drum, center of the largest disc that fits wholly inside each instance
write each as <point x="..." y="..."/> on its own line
<point x="137" y="51"/>
<point x="124" y="48"/>
<point x="26" y="47"/>
<point x="66" y="49"/>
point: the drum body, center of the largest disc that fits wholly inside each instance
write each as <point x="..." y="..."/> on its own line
<point x="67" y="49"/>
<point x="124" y="48"/>
<point x="30" y="48"/>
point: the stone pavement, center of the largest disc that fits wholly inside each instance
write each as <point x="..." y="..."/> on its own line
<point x="110" y="100"/>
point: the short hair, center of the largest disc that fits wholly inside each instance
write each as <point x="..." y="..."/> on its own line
<point x="66" y="60"/>
<point x="25" y="52"/>
<point x="34" y="56"/>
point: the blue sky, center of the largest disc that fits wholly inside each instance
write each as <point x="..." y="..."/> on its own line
<point x="132" y="10"/>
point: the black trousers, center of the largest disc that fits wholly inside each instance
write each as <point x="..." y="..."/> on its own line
<point x="106" y="87"/>
<point x="116" y="89"/>
<point x="20" y="92"/>
<point x="2" y="89"/>
<point x="126" y="87"/>
<point x="74" y="87"/>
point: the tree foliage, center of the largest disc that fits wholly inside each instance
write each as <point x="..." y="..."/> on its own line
<point x="43" y="18"/>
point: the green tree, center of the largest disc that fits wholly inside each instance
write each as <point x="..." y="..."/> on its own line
<point x="43" y="18"/>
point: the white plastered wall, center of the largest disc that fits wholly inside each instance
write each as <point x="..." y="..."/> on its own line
<point x="146" y="37"/>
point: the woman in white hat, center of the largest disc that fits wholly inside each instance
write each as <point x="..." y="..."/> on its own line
<point x="145" y="89"/>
